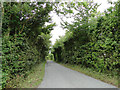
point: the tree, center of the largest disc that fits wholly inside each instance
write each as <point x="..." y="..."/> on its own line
<point x="25" y="37"/>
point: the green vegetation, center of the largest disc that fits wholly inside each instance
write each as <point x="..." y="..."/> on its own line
<point x="91" y="41"/>
<point x="50" y="57"/>
<point x="25" y="39"/>
<point x="34" y="78"/>
<point x="93" y="38"/>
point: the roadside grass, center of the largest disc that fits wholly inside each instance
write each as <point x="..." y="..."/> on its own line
<point x="0" y="70"/>
<point x="0" y="78"/>
<point x="97" y="75"/>
<point x="33" y="80"/>
<point x="35" y="77"/>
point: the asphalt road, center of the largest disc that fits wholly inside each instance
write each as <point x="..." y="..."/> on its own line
<point x="58" y="76"/>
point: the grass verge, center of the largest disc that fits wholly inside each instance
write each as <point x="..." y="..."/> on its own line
<point x="97" y="75"/>
<point x="33" y="79"/>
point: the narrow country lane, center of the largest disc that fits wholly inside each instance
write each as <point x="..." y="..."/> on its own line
<point x="57" y="76"/>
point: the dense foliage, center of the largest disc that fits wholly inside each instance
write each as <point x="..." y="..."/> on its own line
<point x="50" y="57"/>
<point x="25" y="37"/>
<point x="93" y="38"/>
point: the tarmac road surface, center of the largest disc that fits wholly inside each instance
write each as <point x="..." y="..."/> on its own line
<point x="58" y="76"/>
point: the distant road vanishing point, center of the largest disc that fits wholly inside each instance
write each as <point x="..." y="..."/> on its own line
<point x="58" y="76"/>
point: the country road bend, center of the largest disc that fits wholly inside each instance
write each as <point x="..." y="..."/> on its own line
<point x="58" y="76"/>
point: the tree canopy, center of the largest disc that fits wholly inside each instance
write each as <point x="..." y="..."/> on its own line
<point x="92" y="40"/>
<point x="25" y="37"/>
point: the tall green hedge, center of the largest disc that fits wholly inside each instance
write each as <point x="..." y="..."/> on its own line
<point x="95" y="44"/>
<point x="25" y="38"/>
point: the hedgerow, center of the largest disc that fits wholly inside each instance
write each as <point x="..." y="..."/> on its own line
<point x="25" y="38"/>
<point x="92" y="40"/>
